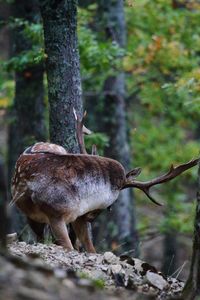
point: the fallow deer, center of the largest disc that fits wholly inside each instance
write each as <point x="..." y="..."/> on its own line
<point x="57" y="188"/>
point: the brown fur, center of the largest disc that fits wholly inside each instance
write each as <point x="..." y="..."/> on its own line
<point x="49" y="188"/>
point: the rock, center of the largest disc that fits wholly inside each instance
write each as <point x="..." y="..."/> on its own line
<point x="37" y="262"/>
<point x="69" y="283"/>
<point x="12" y="237"/>
<point x="92" y="257"/>
<point x="145" y="288"/>
<point x="138" y="265"/>
<point x="116" y="269"/>
<point x="110" y="258"/>
<point x="83" y="282"/>
<point x="127" y="259"/>
<point x="104" y="268"/>
<point x="25" y="293"/>
<point x="147" y="267"/>
<point x="60" y="273"/>
<point x="156" y="280"/>
<point x="22" y="244"/>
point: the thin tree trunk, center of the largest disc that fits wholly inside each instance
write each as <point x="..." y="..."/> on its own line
<point x="192" y="287"/>
<point x="63" y="70"/>
<point x="170" y="253"/>
<point x="3" y="204"/>
<point x="4" y="30"/>
<point x="27" y="116"/>
<point x="170" y="243"/>
<point x="115" y="125"/>
<point x="170" y="246"/>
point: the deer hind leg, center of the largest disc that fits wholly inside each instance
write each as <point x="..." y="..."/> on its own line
<point x="59" y="230"/>
<point x="81" y="228"/>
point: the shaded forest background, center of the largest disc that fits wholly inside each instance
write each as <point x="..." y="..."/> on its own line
<point x="154" y="59"/>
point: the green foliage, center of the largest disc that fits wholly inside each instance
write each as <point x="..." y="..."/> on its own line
<point x="6" y="90"/>
<point x="25" y="59"/>
<point x="99" y="58"/>
<point x="98" y="283"/>
<point x="162" y="64"/>
<point x="98" y="139"/>
<point x="33" y="34"/>
<point x="183" y="223"/>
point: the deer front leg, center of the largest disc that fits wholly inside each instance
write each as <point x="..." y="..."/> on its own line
<point x="81" y="229"/>
<point x="60" y="233"/>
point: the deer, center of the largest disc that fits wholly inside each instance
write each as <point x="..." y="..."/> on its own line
<point x="52" y="186"/>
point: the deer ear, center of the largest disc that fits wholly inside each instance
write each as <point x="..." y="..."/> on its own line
<point x="133" y="173"/>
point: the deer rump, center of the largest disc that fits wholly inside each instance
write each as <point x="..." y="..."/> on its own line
<point x="47" y="185"/>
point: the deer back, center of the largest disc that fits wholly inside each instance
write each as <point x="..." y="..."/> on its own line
<point x="69" y="184"/>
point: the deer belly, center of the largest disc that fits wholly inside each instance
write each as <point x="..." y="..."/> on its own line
<point x="96" y="197"/>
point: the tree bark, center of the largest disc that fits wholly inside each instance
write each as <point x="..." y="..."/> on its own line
<point x="170" y="253"/>
<point x="170" y="243"/>
<point x="4" y="30"/>
<point x="192" y="287"/>
<point x="3" y="204"/>
<point x="122" y="214"/>
<point x="63" y="70"/>
<point x="27" y="117"/>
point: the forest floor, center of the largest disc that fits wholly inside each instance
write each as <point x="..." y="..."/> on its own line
<point x="48" y="272"/>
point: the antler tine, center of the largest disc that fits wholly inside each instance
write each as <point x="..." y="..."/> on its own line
<point x="147" y="193"/>
<point x="94" y="150"/>
<point x="172" y="173"/>
<point x="80" y="130"/>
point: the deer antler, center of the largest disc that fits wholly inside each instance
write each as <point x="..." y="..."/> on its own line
<point x="94" y="150"/>
<point x="146" y="185"/>
<point x="81" y="130"/>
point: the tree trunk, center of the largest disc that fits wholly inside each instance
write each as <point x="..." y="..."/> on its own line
<point x="122" y="214"/>
<point x="4" y="30"/>
<point x="63" y="70"/>
<point x="27" y="116"/>
<point x="170" y="242"/>
<point x="192" y="287"/>
<point x="3" y="204"/>
<point x="170" y="253"/>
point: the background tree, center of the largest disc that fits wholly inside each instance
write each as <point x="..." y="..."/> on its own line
<point x="192" y="287"/>
<point x="3" y="206"/>
<point x="122" y="230"/>
<point x="27" y="116"/>
<point x="63" y="70"/>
